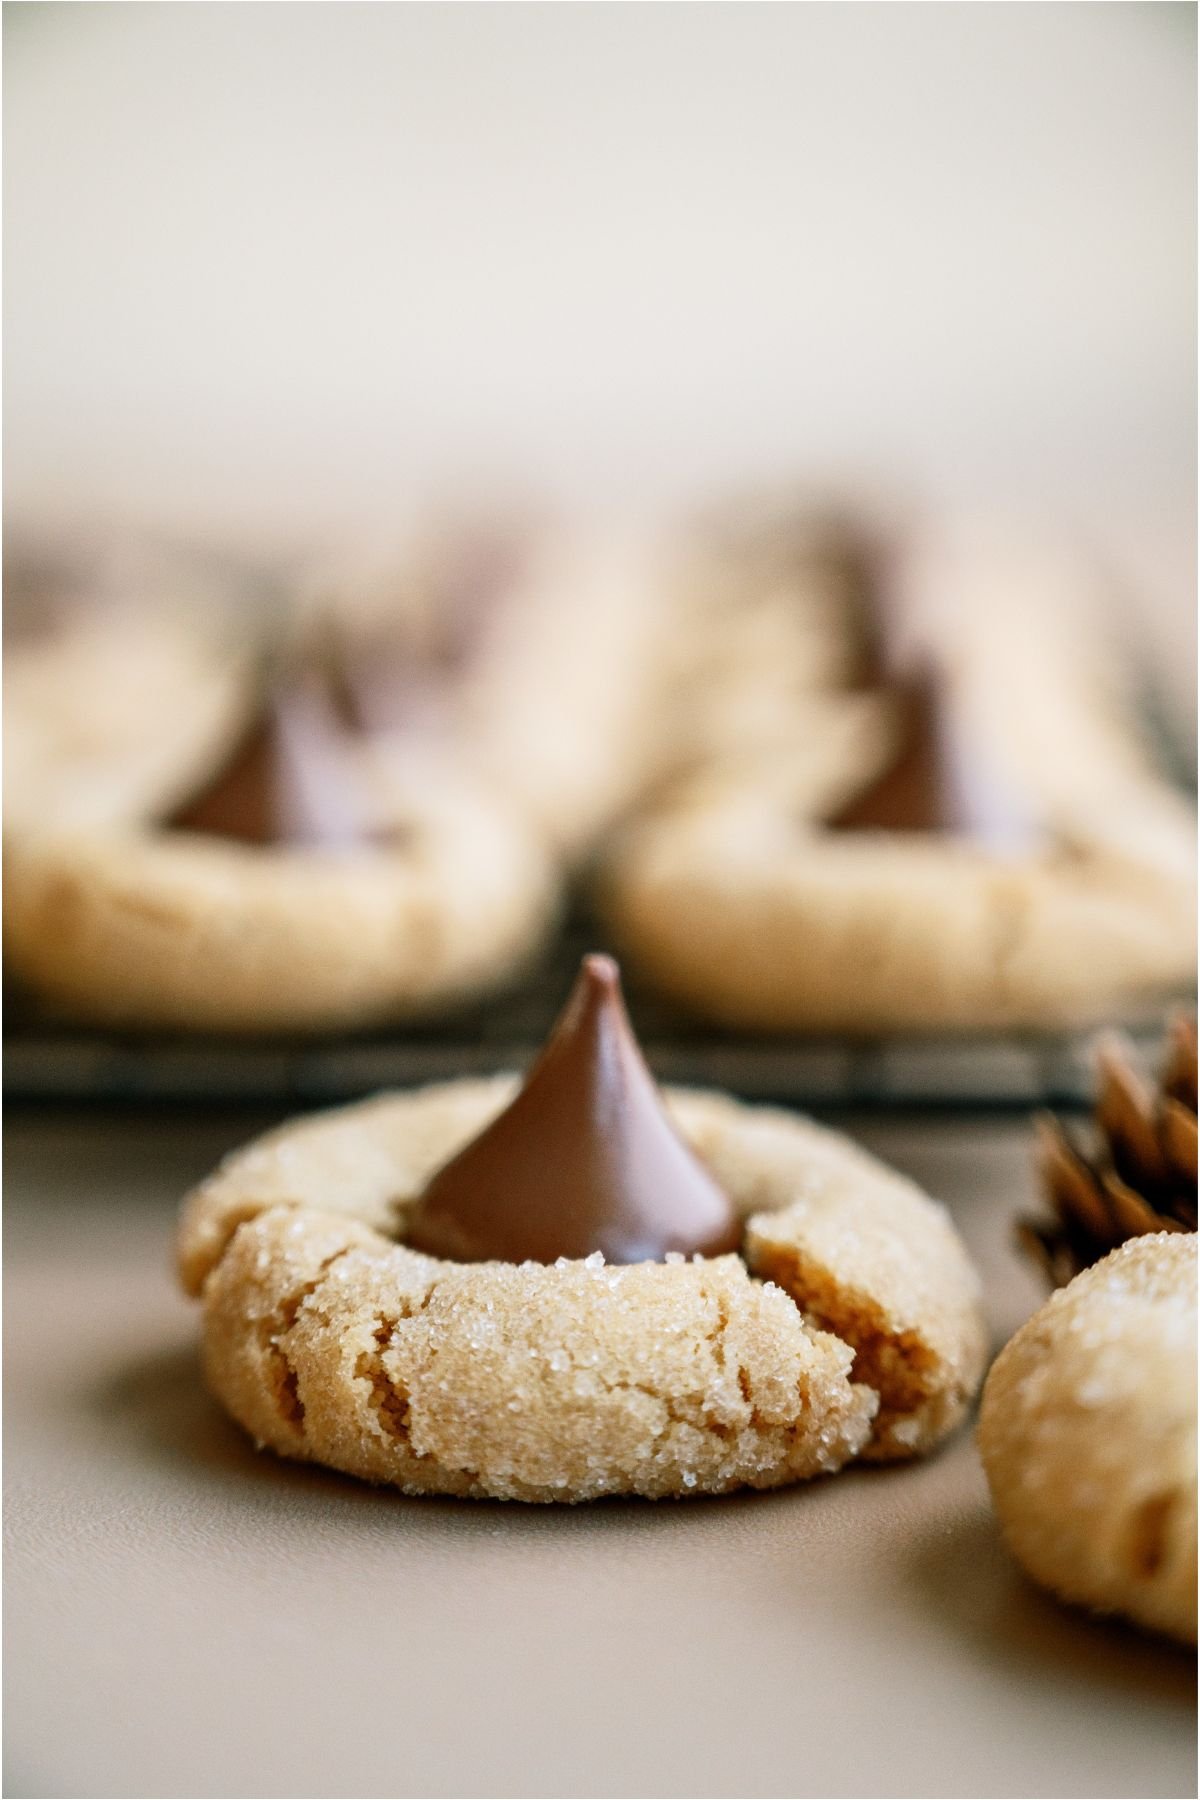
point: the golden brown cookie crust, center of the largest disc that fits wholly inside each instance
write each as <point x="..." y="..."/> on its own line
<point x="734" y="898"/>
<point x="330" y="1341"/>
<point x="116" y="920"/>
<point x="110" y="915"/>
<point x="152" y="928"/>
<point x="763" y="923"/>
<point x="115" y="716"/>
<point x="1087" y="1431"/>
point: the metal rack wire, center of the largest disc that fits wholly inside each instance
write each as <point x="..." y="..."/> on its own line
<point x="50" y="1059"/>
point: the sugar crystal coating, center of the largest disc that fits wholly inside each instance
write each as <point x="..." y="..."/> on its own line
<point x="330" y="1341"/>
<point x="1088" y="1436"/>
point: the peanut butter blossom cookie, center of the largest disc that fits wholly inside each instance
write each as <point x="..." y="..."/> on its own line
<point x="110" y="711"/>
<point x="372" y="825"/>
<point x="290" y="850"/>
<point x="972" y="838"/>
<point x="578" y="1286"/>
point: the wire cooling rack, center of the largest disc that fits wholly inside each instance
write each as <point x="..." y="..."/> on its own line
<point x="50" y="1059"/>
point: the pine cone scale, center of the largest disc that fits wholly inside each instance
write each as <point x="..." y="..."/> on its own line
<point x="1137" y="1175"/>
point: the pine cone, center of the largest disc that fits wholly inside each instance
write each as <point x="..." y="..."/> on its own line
<point x="1139" y="1172"/>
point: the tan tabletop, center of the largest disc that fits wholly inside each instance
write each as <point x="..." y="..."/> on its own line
<point x="187" y="1617"/>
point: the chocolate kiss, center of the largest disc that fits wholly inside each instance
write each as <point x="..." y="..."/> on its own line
<point x="288" y="779"/>
<point x="584" y="1159"/>
<point x="936" y="781"/>
<point x="286" y="782"/>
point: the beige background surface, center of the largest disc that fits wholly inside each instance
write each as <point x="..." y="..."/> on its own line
<point x="186" y="1617"/>
<point x="270" y="270"/>
<point x="273" y="262"/>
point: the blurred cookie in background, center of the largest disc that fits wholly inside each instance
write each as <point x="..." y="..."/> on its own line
<point x="768" y="599"/>
<point x="352" y="803"/>
<point x="126" y="673"/>
<point x="203" y="836"/>
<point x="532" y="654"/>
<point x="970" y="836"/>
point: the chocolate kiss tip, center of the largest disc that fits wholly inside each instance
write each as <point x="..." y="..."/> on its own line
<point x="583" y="1159"/>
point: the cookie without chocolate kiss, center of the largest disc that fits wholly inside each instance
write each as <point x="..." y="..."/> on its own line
<point x="1088" y="1436"/>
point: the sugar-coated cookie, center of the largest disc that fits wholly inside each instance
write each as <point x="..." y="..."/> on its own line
<point x="1088" y="1435"/>
<point x="848" y="1326"/>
